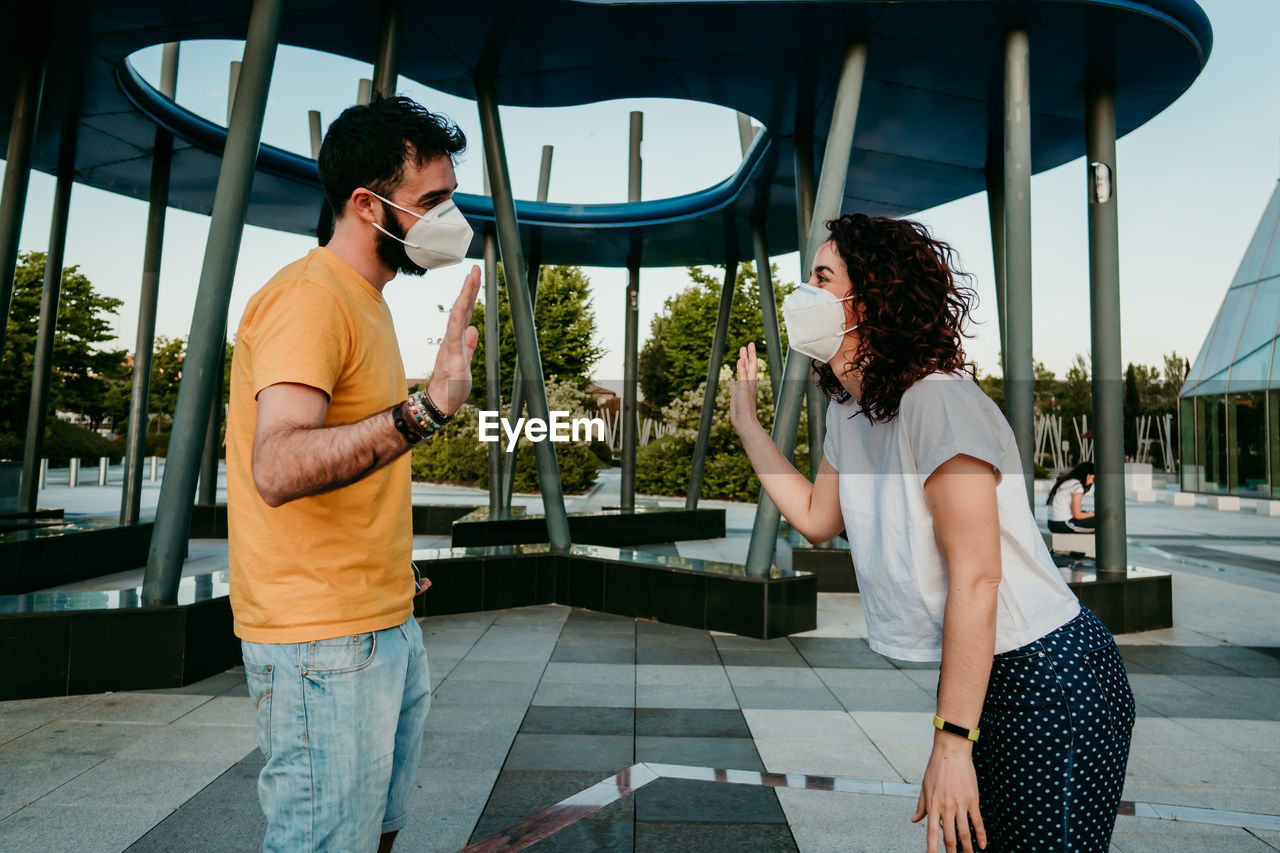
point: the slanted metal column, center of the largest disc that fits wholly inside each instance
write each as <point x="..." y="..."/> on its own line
<point x="764" y="273"/>
<point x="815" y="400"/>
<point x="492" y="355"/>
<point x="386" y="60"/>
<point x="17" y="175"/>
<point x="1019" y="375"/>
<point x="830" y="197"/>
<point x="43" y="363"/>
<point x="1104" y="292"/>
<point x="995" y="212"/>
<point x="631" y="330"/>
<point x="713" y="381"/>
<point x="209" y="319"/>
<point x="768" y="307"/>
<point x="144" y="343"/>
<point x="517" y="385"/>
<point x="208" y="489"/>
<point x="504" y="211"/>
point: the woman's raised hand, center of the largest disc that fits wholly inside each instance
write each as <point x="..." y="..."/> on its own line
<point x="742" y="400"/>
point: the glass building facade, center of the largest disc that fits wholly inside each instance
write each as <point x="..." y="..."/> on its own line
<point x="1229" y="412"/>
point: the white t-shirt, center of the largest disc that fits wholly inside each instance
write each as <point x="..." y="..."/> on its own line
<point x="902" y="573"/>
<point x="1060" y="509"/>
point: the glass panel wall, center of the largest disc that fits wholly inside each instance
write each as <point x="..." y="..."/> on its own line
<point x="1187" y="444"/>
<point x="1211" y="444"/>
<point x="1273" y="431"/>
<point x="1248" y="414"/>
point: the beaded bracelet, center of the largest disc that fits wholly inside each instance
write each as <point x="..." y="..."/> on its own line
<point x="425" y="413"/>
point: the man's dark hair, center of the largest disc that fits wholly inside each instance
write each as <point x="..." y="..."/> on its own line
<point x="367" y="146"/>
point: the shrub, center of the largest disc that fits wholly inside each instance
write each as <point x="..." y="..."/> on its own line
<point x="458" y="456"/>
<point x="62" y="441"/>
<point x="663" y="465"/>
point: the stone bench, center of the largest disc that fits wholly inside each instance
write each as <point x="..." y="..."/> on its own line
<point x="1073" y="543"/>
<point x="1271" y="508"/>
<point x="1224" y="503"/>
<point x="1142" y="496"/>
<point x="1178" y="498"/>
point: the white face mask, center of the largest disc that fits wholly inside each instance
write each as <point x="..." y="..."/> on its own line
<point x="439" y="238"/>
<point x="815" y="321"/>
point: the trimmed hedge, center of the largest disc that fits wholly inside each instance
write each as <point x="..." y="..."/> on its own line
<point x="663" y="465"/>
<point x="457" y="455"/>
<point x="62" y="441"/>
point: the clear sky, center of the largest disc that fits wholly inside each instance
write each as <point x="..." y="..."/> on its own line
<point x="1191" y="186"/>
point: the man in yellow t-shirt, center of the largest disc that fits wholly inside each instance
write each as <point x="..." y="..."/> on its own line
<point x="318" y="485"/>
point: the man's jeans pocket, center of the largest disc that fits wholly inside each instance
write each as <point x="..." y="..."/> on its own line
<point x="259" y="677"/>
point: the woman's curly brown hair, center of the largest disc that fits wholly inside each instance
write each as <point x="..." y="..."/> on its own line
<point x="906" y="284"/>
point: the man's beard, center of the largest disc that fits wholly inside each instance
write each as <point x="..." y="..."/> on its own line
<point x="392" y="252"/>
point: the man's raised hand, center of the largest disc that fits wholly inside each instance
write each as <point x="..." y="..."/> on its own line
<point x="450" y="383"/>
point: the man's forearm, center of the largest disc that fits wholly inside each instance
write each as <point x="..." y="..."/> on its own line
<point x="294" y="462"/>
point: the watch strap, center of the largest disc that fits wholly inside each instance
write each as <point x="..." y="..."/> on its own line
<point x="952" y="729"/>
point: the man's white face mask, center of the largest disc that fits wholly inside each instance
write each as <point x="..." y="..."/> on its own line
<point x="815" y="321"/>
<point x="439" y="238"/>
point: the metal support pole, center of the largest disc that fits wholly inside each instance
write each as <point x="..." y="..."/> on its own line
<point x="827" y="204"/>
<point x="768" y="307"/>
<point x="209" y="318"/>
<point x="504" y="210"/>
<point x="103" y="462"/>
<point x="517" y="386"/>
<point x="17" y="174"/>
<point x="746" y="132"/>
<point x="816" y="402"/>
<point x="1019" y="388"/>
<point x="73" y="473"/>
<point x="233" y="80"/>
<point x="995" y="212"/>
<point x="386" y="60"/>
<point x="314" y="131"/>
<point x="144" y="343"/>
<point x="1104" y="291"/>
<point x="713" y="383"/>
<point x="208" y="489"/>
<point x="631" y="330"/>
<point x="42" y="367"/>
<point x="492" y="356"/>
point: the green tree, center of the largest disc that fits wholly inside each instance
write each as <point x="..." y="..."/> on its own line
<point x="80" y="363"/>
<point x="1132" y="408"/>
<point x="566" y="326"/>
<point x="166" y="376"/>
<point x="674" y="359"/>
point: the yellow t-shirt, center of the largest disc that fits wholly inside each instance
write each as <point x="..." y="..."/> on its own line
<point x="335" y="563"/>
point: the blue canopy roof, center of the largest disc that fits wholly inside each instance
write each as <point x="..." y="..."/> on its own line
<point x="928" y="123"/>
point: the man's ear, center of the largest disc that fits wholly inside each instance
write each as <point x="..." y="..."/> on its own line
<point x="364" y="204"/>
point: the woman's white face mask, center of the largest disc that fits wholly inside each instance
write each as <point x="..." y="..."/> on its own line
<point x="439" y="238"/>
<point x="815" y="321"/>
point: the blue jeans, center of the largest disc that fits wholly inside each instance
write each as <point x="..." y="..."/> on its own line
<point x="1055" y="736"/>
<point x="340" y="722"/>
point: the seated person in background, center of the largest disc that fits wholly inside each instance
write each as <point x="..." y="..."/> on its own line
<point x="1065" y="513"/>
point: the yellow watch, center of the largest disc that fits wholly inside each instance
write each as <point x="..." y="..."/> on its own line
<point x="952" y="729"/>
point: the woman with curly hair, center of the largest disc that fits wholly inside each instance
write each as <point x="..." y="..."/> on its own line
<point x="921" y="470"/>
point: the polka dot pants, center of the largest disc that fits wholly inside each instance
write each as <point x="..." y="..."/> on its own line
<point x="1055" y="740"/>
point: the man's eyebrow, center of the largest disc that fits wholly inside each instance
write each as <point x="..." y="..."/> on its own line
<point x="436" y="194"/>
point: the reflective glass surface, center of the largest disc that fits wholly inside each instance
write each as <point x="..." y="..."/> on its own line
<point x="1211" y="443"/>
<point x="1187" y="444"/>
<point x="1260" y="255"/>
<point x="1260" y="321"/>
<point x="1249" y="443"/>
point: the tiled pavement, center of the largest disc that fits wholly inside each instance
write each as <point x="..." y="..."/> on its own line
<point x="535" y="704"/>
